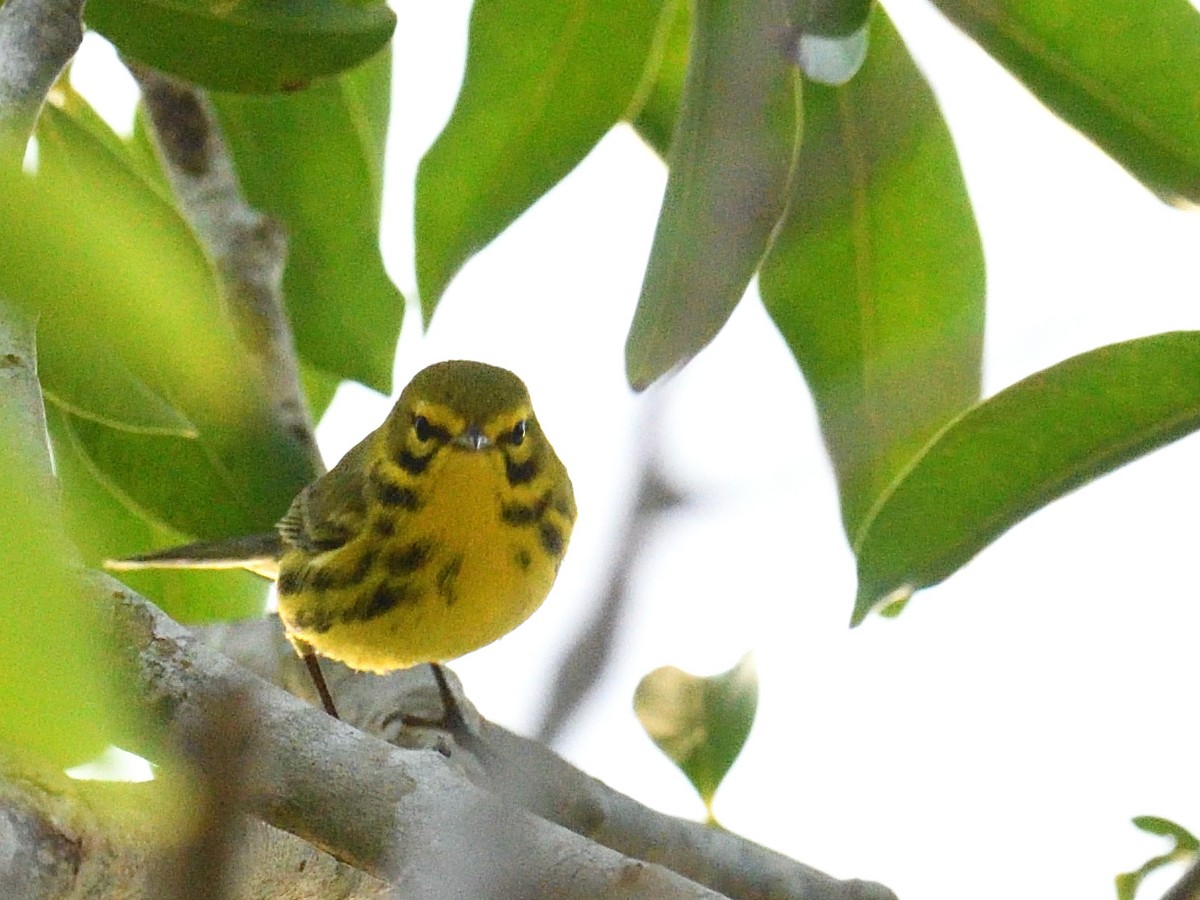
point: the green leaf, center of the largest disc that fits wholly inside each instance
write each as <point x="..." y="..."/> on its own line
<point x="875" y="277"/>
<point x="545" y="80"/>
<point x="92" y="383"/>
<point x="250" y="46"/>
<point x="1124" y="72"/>
<point x="1184" y="851"/>
<point x="60" y="702"/>
<point x="836" y="18"/>
<point x="229" y="481"/>
<point x="319" y="388"/>
<point x="653" y="111"/>
<point x="1020" y="450"/>
<point x="730" y="158"/>
<point x="144" y="289"/>
<point x="701" y="724"/>
<point x="344" y="309"/>
<point x="104" y="524"/>
<point x="145" y="293"/>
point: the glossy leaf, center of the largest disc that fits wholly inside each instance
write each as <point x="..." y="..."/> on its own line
<point x="545" y="80"/>
<point x="314" y="160"/>
<point x="250" y="46"/>
<point x="731" y="155"/>
<point x="1185" y="851"/>
<point x="875" y="277"/>
<point x="701" y="724"/>
<point x="1124" y="72"/>
<point x="104" y="524"/>
<point x="654" y="110"/>
<point x="1020" y="450"/>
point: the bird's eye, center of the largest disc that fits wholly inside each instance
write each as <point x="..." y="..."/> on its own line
<point x="422" y="428"/>
<point x="518" y="434"/>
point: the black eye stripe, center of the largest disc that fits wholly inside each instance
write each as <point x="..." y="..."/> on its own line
<point x="424" y="431"/>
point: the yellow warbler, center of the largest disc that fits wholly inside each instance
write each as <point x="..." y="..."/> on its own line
<point x="440" y="532"/>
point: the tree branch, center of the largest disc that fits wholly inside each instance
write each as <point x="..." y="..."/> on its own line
<point x="529" y="775"/>
<point x="248" y="247"/>
<point x="404" y="816"/>
<point x="65" y="838"/>
<point x="37" y="39"/>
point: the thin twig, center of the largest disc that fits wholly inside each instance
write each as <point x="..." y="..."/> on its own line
<point x="37" y="40"/>
<point x="248" y="247"/>
<point x="584" y="662"/>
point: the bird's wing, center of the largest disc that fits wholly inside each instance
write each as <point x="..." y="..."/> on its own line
<point x="331" y="510"/>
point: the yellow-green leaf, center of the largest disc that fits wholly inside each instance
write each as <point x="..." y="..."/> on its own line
<point x="700" y="723"/>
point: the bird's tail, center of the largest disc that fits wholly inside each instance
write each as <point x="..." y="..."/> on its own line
<point x="257" y="552"/>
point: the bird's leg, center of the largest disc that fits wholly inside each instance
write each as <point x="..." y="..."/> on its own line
<point x="452" y="720"/>
<point x="314" y="670"/>
<point x="452" y="717"/>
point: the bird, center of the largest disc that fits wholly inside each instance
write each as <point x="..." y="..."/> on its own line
<point x="438" y="533"/>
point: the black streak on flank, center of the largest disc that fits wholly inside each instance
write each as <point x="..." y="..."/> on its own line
<point x="391" y="494"/>
<point x="412" y="464"/>
<point x="384" y="527"/>
<point x="322" y="578"/>
<point x="447" y="575"/>
<point x="524" y="559"/>
<point x="524" y="513"/>
<point x="361" y="569"/>
<point x="552" y="539"/>
<point x="318" y="620"/>
<point x="386" y="597"/>
<point x="291" y="581"/>
<point x="408" y="558"/>
<point x="520" y="473"/>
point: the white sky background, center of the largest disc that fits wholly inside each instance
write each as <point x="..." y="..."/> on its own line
<point x="995" y="740"/>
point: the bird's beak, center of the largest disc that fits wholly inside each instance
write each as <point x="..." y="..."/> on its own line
<point x="473" y="439"/>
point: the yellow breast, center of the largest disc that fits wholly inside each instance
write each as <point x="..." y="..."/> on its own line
<point x="443" y="564"/>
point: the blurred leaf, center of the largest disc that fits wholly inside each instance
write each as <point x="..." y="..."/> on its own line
<point x="319" y="388"/>
<point x="104" y="258"/>
<point x="1124" y="72"/>
<point x="55" y="664"/>
<point x="653" y="111"/>
<point x="836" y="18"/>
<point x="224" y="483"/>
<point x="93" y="384"/>
<point x="253" y="45"/>
<point x="544" y="81"/>
<point x="104" y="524"/>
<point x="132" y="152"/>
<point x="1020" y="450"/>
<point x="1185" y="850"/>
<point x="701" y="724"/>
<point x="731" y="155"/>
<point x="108" y="266"/>
<point x="345" y="311"/>
<point x="875" y="277"/>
